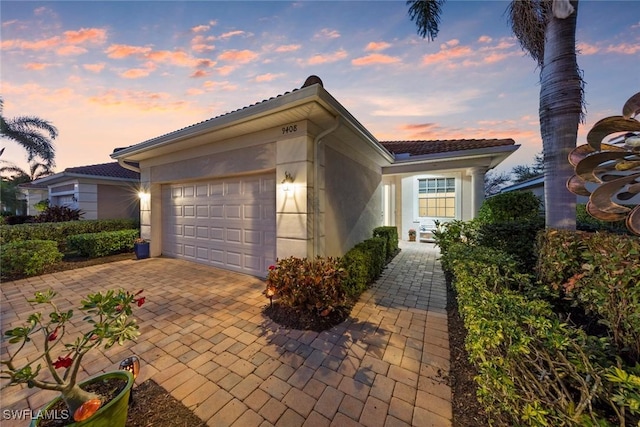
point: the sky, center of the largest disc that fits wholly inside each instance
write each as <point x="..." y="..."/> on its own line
<point x="111" y="74"/>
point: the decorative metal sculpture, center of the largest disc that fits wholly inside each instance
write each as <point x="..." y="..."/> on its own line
<point x="612" y="168"/>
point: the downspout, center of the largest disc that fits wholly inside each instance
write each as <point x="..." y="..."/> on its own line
<point x="129" y="166"/>
<point x="316" y="184"/>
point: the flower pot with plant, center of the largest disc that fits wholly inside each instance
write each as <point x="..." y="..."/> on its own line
<point x="412" y="235"/>
<point x="56" y="361"/>
<point x="141" y="248"/>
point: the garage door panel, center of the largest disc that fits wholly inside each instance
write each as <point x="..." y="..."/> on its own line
<point x="228" y="223"/>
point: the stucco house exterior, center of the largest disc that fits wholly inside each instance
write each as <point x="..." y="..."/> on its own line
<point x="296" y="175"/>
<point x="102" y="191"/>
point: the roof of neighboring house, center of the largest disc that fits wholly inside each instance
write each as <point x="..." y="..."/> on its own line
<point x="106" y="171"/>
<point x="525" y="185"/>
<point x="421" y="148"/>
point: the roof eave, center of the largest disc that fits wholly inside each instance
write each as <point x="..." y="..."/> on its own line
<point x="477" y="152"/>
<point x="63" y="176"/>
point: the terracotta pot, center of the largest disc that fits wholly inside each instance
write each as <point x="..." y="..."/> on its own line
<point x="113" y="414"/>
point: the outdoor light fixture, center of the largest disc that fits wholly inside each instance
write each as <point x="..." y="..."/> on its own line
<point x="270" y="293"/>
<point x="287" y="181"/>
<point x="142" y="195"/>
<point x="131" y="364"/>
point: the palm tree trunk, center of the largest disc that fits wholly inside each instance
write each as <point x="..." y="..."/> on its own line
<point x="560" y="114"/>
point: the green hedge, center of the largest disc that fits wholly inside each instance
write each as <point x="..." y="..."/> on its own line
<point x="511" y="206"/>
<point x="517" y="238"/>
<point x="28" y="258"/>
<point x="95" y="245"/>
<point x="364" y="263"/>
<point x="390" y="234"/>
<point x="59" y="231"/>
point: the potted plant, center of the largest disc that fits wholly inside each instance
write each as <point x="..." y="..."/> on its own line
<point x="412" y="235"/>
<point x="56" y="361"/>
<point x="141" y="248"/>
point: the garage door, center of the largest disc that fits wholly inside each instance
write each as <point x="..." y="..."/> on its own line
<point x="228" y="223"/>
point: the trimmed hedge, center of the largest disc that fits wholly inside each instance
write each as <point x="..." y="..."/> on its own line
<point x="510" y="206"/>
<point x="390" y="234"/>
<point x="28" y="258"/>
<point x="364" y="263"/>
<point x="59" y="231"/>
<point x="93" y="245"/>
<point x="514" y="237"/>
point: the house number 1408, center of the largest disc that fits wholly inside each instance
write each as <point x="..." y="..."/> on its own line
<point x="289" y="129"/>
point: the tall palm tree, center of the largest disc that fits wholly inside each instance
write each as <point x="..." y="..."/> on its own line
<point x="546" y="30"/>
<point x="32" y="133"/>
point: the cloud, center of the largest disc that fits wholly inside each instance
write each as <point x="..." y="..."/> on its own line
<point x="326" y="34"/>
<point x="225" y="70"/>
<point x="287" y="48"/>
<point x="94" y="68"/>
<point x="587" y="49"/>
<point x="69" y="43"/>
<point x="624" y="48"/>
<point x="71" y="50"/>
<point x="230" y="34"/>
<point x="225" y="85"/>
<point x="202" y="44"/>
<point x="267" y="77"/>
<point x="194" y="91"/>
<point x="484" y="39"/>
<point x="200" y="28"/>
<point x="327" y="58"/>
<point x="141" y="100"/>
<point x="119" y="51"/>
<point x="238" y="56"/>
<point x="199" y="73"/>
<point x="136" y="73"/>
<point x="436" y="131"/>
<point x="85" y="35"/>
<point x="376" y="46"/>
<point x="447" y="55"/>
<point x="375" y="59"/>
<point x="36" y="66"/>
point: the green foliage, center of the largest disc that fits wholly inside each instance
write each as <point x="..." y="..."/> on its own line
<point x="308" y="285"/>
<point x="28" y="258"/>
<point x="59" y="231"/>
<point x="514" y="237"/>
<point x="42" y="205"/>
<point x="586" y="222"/>
<point x="58" y="214"/>
<point x="510" y="206"/>
<point x="390" y="234"/>
<point x="95" y="245"/>
<point x="364" y="263"/>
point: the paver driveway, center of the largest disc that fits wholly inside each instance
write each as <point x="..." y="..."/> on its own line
<point x="205" y="340"/>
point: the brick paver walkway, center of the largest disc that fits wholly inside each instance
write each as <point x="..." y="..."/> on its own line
<point x="205" y="340"/>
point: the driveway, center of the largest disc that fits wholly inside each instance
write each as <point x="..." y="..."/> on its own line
<point x="205" y="340"/>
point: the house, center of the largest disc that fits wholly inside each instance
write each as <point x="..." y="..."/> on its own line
<point x="30" y="194"/>
<point x="296" y="175"/>
<point x="103" y="191"/>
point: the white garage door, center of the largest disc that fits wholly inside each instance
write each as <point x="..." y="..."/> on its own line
<point x="228" y="223"/>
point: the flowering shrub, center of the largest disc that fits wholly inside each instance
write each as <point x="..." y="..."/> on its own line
<point x="308" y="284"/>
<point x="108" y="315"/>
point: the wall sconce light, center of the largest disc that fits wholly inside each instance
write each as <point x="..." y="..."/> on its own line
<point x="287" y="181"/>
<point x="142" y="195"/>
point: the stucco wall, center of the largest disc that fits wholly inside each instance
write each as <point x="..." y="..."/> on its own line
<point x="353" y="201"/>
<point x="117" y="201"/>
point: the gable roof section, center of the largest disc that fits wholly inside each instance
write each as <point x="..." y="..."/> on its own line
<point x="421" y="148"/>
<point x="104" y="171"/>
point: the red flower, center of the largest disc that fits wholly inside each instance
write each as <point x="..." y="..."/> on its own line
<point x="53" y="335"/>
<point x="140" y="301"/>
<point x="62" y="362"/>
<point x="272" y="267"/>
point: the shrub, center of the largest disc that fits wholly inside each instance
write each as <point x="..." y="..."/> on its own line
<point x="95" y="245"/>
<point x="28" y="258"/>
<point x="363" y="264"/>
<point x="586" y="222"/>
<point x="17" y="219"/>
<point x="58" y="214"/>
<point x="514" y="237"/>
<point x="59" y="231"/>
<point x="390" y="234"/>
<point x="308" y="285"/>
<point x="510" y="206"/>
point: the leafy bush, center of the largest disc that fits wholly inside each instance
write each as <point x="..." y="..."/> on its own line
<point x="59" y="231"/>
<point x="28" y="258"/>
<point x="514" y="237"/>
<point x="58" y="214"/>
<point x="390" y="234"/>
<point x="599" y="272"/>
<point x="510" y="206"/>
<point x="95" y="245"/>
<point x="586" y="222"/>
<point x="309" y="285"/>
<point x="363" y="264"/>
<point x="17" y="219"/>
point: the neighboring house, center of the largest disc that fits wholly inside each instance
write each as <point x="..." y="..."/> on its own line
<point x="534" y="185"/>
<point x="31" y="194"/>
<point x="103" y="191"/>
<point x="296" y="175"/>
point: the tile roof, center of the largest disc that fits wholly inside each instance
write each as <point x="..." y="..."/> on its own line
<point x="420" y="148"/>
<point x="110" y="170"/>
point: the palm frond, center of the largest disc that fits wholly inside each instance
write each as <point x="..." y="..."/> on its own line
<point x="426" y="14"/>
<point x="528" y="20"/>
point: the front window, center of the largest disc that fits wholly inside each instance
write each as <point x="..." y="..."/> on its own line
<point x="437" y="197"/>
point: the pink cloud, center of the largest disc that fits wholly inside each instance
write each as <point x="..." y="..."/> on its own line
<point x="85" y="35"/>
<point x="200" y="28"/>
<point x="135" y="73"/>
<point x="484" y="39"/>
<point x="624" y="48"/>
<point x="199" y="73"/>
<point x="376" y="46"/>
<point x="494" y="57"/>
<point x="326" y="33"/>
<point x="70" y="50"/>
<point x="225" y="85"/>
<point x="587" y="49"/>
<point x="267" y="77"/>
<point x="69" y="44"/>
<point x="324" y="59"/>
<point x="118" y="51"/>
<point x="95" y="68"/>
<point x="287" y="48"/>
<point x="202" y="44"/>
<point x="375" y="59"/>
<point x="230" y="34"/>
<point x="141" y="100"/>
<point x="225" y="70"/>
<point x="238" y="56"/>
<point x="434" y="131"/>
<point x="36" y="66"/>
<point x="446" y="55"/>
